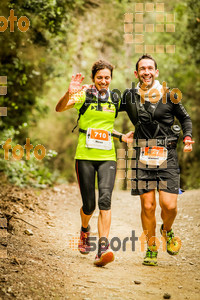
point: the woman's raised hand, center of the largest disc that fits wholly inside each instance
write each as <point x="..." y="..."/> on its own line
<point x="75" y="84"/>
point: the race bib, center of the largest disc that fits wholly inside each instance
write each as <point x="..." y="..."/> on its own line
<point x="99" y="139"/>
<point x="153" y="156"/>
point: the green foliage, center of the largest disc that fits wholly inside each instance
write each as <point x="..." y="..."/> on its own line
<point x="193" y="27"/>
<point x="29" y="173"/>
<point x="66" y="37"/>
<point x="26" y="172"/>
<point x="27" y="59"/>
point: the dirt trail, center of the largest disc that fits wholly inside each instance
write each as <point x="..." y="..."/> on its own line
<point x="45" y="266"/>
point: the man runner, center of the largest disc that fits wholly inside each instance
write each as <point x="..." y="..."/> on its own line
<point x="152" y="109"/>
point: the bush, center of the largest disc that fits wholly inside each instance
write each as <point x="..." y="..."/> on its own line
<point x="33" y="172"/>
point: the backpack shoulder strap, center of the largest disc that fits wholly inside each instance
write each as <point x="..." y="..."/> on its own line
<point x="115" y="98"/>
<point x="84" y="107"/>
<point x="137" y="102"/>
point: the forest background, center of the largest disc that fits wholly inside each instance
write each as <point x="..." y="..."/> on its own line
<point x="66" y="37"/>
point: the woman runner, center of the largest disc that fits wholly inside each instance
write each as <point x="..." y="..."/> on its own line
<point x="95" y="152"/>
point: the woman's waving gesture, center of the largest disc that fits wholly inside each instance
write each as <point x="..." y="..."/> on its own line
<point x="74" y="90"/>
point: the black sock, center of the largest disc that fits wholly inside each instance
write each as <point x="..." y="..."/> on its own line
<point x="85" y="229"/>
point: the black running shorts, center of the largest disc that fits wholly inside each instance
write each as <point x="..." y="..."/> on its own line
<point x="167" y="180"/>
